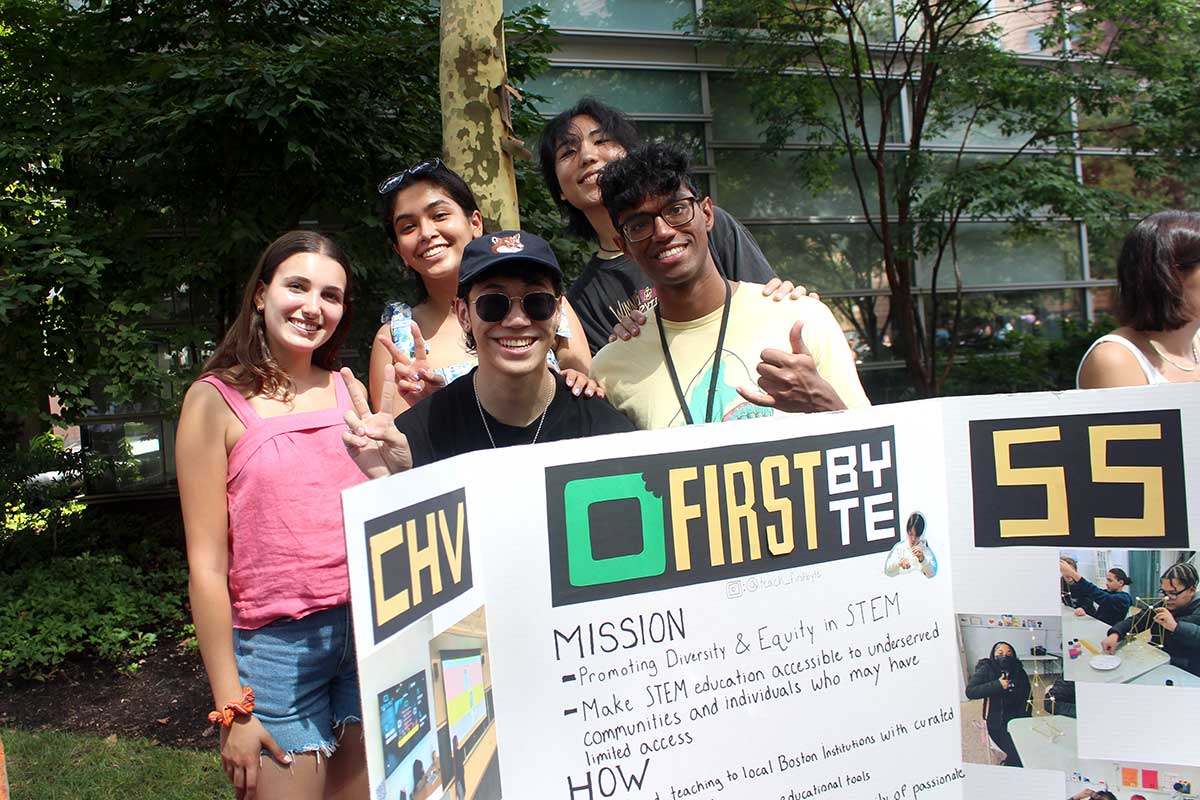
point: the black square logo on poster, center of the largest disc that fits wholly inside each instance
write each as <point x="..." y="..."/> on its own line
<point x="629" y="525"/>
<point x="418" y="558"/>
<point x="1086" y="480"/>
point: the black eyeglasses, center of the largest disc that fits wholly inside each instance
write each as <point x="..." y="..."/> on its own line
<point x="1173" y="593"/>
<point x="676" y="213"/>
<point x="392" y="181"/>
<point x="538" y="306"/>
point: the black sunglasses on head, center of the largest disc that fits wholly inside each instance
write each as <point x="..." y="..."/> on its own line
<point x="392" y="181"/>
<point x="538" y="306"/>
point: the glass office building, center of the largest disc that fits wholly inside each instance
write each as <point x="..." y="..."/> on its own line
<point x="630" y="54"/>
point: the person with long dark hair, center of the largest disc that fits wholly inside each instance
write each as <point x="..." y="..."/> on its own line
<point x="1109" y="604"/>
<point x="1001" y="682"/>
<point x="1158" y="306"/>
<point x="430" y="215"/>
<point x="1175" y="622"/>
<point x="261" y="468"/>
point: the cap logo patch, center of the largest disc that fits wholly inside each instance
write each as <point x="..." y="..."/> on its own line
<point x="507" y="244"/>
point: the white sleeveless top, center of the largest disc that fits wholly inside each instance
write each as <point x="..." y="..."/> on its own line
<point x="1152" y="374"/>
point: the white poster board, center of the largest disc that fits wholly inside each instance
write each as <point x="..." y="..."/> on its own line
<point x="705" y="612"/>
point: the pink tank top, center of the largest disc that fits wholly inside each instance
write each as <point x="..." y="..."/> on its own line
<point x="287" y="546"/>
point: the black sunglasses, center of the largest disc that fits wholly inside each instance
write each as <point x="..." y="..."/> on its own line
<point x="392" y="181"/>
<point x="538" y="306"/>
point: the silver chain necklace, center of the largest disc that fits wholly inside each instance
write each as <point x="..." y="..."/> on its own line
<point x="483" y="417"/>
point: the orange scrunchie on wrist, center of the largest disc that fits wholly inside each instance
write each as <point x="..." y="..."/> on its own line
<point x="224" y="717"/>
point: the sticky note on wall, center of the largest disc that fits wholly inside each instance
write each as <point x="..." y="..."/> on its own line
<point x="1149" y="779"/>
<point x="1129" y="776"/>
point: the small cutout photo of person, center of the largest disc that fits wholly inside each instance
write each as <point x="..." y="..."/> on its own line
<point x="912" y="553"/>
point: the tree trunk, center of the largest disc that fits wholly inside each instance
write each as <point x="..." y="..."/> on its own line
<point x="476" y="137"/>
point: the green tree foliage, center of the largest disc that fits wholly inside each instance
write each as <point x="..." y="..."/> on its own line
<point x="1026" y="362"/>
<point x="832" y="75"/>
<point x="149" y="150"/>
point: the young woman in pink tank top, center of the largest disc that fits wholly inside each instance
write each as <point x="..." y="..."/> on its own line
<point x="261" y="466"/>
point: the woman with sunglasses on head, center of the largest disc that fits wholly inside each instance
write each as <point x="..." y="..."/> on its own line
<point x="1158" y="305"/>
<point x="1175" y="622"/>
<point x="508" y="304"/>
<point x="430" y="214"/>
<point x="261" y="466"/>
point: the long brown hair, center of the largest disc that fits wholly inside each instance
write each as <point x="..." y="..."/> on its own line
<point x="243" y="359"/>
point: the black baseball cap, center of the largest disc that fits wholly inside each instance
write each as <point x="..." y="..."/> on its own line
<point x="506" y="249"/>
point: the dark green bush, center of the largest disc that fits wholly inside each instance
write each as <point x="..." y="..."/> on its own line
<point x="88" y="606"/>
<point x="77" y="581"/>
<point x="1026" y="362"/>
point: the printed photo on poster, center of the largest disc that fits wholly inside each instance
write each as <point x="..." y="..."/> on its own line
<point x="1011" y="664"/>
<point x="1130" y="780"/>
<point x="1130" y="616"/>
<point x="912" y="555"/>
<point x="464" y="711"/>
<point x="408" y="745"/>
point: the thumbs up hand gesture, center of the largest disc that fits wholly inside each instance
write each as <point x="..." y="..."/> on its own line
<point x="790" y="382"/>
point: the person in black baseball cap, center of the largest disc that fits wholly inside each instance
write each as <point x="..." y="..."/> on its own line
<point x="509" y="302"/>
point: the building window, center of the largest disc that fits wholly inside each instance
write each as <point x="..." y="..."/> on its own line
<point x="657" y="16"/>
<point x="994" y="253"/>
<point x="752" y="184"/>
<point x="652" y="92"/>
<point x="734" y="119"/>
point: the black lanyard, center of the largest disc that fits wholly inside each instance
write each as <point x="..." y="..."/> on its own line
<point x="712" y="384"/>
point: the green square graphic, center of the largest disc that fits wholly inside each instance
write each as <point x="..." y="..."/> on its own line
<point x="584" y="569"/>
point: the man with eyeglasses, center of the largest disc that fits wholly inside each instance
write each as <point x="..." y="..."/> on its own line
<point x="509" y="303"/>
<point x="1174" y="622"/>
<point x="717" y="350"/>
<point x="611" y="291"/>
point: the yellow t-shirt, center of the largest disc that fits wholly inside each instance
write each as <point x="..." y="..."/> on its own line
<point x="636" y="381"/>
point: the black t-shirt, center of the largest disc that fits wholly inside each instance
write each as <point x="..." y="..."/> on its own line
<point x="608" y="290"/>
<point x="447" y="423"/>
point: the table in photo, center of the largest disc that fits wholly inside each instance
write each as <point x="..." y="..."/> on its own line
<point x="1167" y="672"/>
<point x="1137" y="657"/>
<point x="1047" y="742"/>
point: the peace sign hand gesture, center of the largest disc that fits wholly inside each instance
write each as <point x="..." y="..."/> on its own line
<point x="415" y="380"/>
<point x="372" y="440"/>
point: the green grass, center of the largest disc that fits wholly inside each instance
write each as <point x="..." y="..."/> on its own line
<point x="66" y="766"/>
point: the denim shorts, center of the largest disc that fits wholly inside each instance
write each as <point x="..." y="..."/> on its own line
<point x="304" y="676"/>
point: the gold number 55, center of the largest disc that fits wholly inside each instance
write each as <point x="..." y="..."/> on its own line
<point x="1153" y="519"/>
<point x="1057" y="520"/>
<point x="1151" y="523"/>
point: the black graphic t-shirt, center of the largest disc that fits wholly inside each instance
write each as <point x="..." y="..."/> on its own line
<point x="448" y="424"/>
<point x="608" y="290"/>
